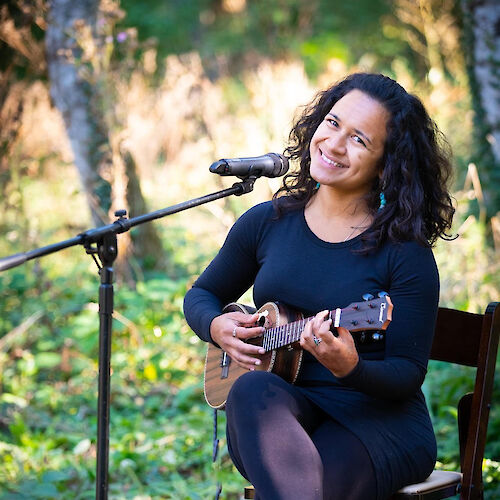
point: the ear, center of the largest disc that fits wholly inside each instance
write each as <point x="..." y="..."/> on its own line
<point x="380" y="175"/>
<point x="381" y="168"/>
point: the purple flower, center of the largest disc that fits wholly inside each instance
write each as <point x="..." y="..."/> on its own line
<point x="121" y="37"/>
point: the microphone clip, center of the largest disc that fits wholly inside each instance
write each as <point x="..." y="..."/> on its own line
<point x="246" y="184"/>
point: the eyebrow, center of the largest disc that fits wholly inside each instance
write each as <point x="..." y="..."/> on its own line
<point x="359" y="132"/>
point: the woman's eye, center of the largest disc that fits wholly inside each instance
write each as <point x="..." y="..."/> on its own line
<point x="359" y="140"/>
<point x="332" y="121"/>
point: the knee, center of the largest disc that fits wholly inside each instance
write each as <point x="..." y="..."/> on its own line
<point x="250" y="391"/>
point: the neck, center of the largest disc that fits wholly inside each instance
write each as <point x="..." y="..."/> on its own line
<point x="329" y="203"/>
<point x="336" y="217"/>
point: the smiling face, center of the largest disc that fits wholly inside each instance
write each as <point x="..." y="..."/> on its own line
<point x="348" y="144"/>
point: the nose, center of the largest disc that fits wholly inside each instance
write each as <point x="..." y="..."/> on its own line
<point x="337" y="143"/>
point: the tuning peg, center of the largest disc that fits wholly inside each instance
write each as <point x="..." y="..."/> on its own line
<point x="382" y="294"/>
<point x="368" y="296"/>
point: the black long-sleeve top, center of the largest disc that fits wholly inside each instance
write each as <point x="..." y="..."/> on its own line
<point x="380" y="400"/>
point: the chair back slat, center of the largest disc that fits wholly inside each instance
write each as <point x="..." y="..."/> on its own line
<point x="472" y="484"/>
<point x="457" y="337"/>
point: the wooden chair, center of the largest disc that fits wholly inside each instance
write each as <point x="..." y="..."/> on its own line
<point x="471" y="340"/>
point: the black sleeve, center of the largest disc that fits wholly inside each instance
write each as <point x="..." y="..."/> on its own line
<point x="414" y="292"/>
<point x="228" y="276"/>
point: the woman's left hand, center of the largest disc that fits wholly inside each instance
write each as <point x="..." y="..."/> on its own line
<point x="338" y="354"/>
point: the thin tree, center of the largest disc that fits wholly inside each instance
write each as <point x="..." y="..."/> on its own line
<point x="80" y="102"/>
<point x="481" y="21"/>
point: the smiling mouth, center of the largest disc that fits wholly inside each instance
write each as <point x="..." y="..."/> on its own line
<point x="332" y="162"/>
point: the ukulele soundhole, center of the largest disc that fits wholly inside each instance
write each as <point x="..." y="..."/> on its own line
<point x="263" y="318"/>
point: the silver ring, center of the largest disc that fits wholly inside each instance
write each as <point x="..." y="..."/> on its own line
<point x="234" y="331"/>
<point x="317" y="340"/>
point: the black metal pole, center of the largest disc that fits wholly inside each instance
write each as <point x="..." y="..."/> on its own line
<point x="103" y="242"/>
<point x="103" y="399"/>
<point x="107" y="250"/>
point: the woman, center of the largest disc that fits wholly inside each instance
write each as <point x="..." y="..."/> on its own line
<point x="359" y="216"/>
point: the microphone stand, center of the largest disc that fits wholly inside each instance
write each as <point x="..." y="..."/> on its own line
<point x="102" y="242"/>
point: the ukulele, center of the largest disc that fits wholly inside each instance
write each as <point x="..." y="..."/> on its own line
<point x="283" y="327"/>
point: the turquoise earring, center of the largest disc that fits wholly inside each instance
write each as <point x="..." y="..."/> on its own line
<point x="382" y="201"/>
<point x="317" y="185"/>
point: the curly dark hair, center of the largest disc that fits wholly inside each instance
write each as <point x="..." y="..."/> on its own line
<point x="415" y="165"/>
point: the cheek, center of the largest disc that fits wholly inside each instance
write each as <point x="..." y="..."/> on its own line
<point x="314" y="141"/>
<point x="319" y="134"/>
<point x="369" y="164"/>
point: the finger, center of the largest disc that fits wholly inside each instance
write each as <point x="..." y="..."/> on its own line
<point x="321" y="316"/>
<point x="249" y="348"/>
<point x="345" y="335"/>
<point x="245" y="319"/>
<point x="248" y="362"/>
<point x="307" y="331"/>
<point x="320" y="327"/>
<point x="249" y="332"/>
<point x="311" y="343"/>
<point x="306" y="338"/>
<point x="343" y="332"/>
<point x="324" y="331"/>
<point x="240" y="334"/>
<point x="318" y="320"/>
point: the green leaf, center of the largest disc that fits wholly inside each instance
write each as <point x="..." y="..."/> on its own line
<point x="47" y="359"/>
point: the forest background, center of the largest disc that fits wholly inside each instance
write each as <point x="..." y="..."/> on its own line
<point x="107" y="105"/>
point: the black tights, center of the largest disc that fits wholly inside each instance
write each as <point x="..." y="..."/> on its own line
<point x="290" y="449"/>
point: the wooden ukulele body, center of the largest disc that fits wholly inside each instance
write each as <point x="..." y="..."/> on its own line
<point x="221" y="371"/>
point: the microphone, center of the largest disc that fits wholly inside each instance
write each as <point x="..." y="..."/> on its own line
<point x="270" y="165"/>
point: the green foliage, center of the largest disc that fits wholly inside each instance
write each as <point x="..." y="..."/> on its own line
<point x="160" y="427"/>
<point x="312" y="30"/>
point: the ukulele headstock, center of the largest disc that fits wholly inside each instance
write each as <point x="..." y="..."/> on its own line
<point x="370" y="314"/>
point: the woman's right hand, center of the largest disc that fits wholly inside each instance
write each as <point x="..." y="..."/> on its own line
<point x="229" y="330"/>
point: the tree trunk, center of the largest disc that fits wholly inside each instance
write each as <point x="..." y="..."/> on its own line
<point x="102" y="167"/>
<point x="145" y="239"/>
<point x="482" y="49"/>
<point x="76" y="100"/>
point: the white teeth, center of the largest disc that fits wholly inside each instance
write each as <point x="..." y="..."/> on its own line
<point x="331" y="162"/>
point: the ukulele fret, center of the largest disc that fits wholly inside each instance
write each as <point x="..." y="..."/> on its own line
<point x="284" y="335"/>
